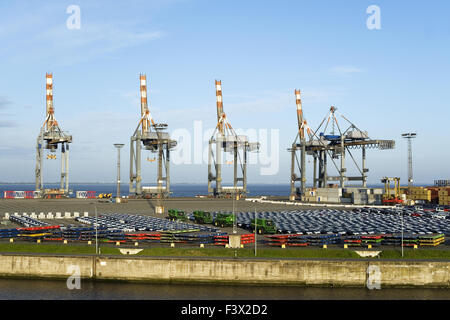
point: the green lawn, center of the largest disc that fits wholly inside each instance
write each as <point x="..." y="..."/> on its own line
<point x="45" y="248"/>
<point x="249" y="253"/>
<point x="222" y="252"/>
<point x="434" y="254"/>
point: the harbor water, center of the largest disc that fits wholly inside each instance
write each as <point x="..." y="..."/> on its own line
<point x="17" y="289"/>
<point x="178" y="190"/>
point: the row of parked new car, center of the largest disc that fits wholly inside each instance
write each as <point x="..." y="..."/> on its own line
<point x="437" y="212"/>
<point x="346" y="222"/>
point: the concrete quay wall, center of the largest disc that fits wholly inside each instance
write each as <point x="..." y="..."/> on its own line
<point x="339" y="273"/>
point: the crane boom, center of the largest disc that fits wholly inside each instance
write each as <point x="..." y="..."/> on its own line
<point x="50" y="111"/>
<point x="219" y="104"/>
<point x="298" y="101"/>
<point x="146" y="118"/>
<point x="144" y="105"/>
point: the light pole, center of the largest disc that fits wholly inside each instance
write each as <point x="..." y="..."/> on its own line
<point x="401" y="212"/>
<point x="256" y="217"/>
<point x="234" y="220"/>
<point x="118" y="146"/>
<point x="96" y="232"/>
<point x="409" y="136"/>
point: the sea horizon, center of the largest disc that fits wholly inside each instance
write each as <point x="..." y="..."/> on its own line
<point x="177" y="189"/>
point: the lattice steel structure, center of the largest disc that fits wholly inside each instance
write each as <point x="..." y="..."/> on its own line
<point x="50" y="136"/>
<point x="153" y="137"/>
<point x="324" y="147"/>
<point x="224" y="139"/>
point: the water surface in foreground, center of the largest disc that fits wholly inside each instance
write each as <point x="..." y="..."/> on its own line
<point x="56" y="289"/>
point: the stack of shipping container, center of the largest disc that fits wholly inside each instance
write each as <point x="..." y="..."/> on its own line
<point x="444" y="196"/>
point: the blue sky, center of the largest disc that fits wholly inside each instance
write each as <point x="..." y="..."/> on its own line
<point x="386" y="81"/>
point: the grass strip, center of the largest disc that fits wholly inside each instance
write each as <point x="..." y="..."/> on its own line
<point x="419" y="254"/>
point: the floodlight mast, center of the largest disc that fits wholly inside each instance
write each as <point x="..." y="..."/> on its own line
<point x="118" y="147"/>
<point x="409" y="136"/>
<point x="49" y="137"/>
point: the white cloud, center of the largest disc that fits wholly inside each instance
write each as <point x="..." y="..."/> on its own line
<point x="4" y="102"/>
<point x="8" y="124"/>
<point x="38" y="39"/>
<point x="92" y="40"/>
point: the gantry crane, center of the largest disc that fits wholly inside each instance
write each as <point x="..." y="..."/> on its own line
<point x="225" y="139"/>
<point x="157" y="141"/>
<point x="50" y="136"/>
<point x="335" y="145"/>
